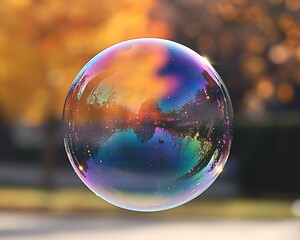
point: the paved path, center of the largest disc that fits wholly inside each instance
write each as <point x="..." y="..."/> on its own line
<point x="25" y="226"/>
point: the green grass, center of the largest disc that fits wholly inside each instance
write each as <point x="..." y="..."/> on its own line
<point x="83" y="201"/>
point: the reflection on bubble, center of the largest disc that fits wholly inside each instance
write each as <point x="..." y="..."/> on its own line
<point x="147" y="124"/>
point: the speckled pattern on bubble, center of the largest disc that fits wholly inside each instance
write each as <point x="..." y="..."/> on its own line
<point x="147" y="124"/>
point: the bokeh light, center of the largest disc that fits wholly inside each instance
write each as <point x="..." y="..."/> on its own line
<point x="148" y="124"/>
<point x="296" y="208"/>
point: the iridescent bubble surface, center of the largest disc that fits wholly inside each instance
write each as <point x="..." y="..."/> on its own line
<point x="147" y="124"/>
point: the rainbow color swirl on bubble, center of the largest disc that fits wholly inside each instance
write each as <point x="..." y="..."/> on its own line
<point x="148" y="124"/>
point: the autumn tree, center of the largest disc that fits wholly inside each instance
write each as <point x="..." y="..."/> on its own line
<point x="44" y="43"/>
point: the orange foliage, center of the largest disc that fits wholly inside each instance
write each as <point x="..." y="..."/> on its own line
<point x="44" y="43"/>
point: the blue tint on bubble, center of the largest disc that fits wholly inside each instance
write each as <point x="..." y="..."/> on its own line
<point x="147" y="124"/>
<point x="187" y="77"/>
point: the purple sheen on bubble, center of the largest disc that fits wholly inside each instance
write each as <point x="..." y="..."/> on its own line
<point x="147" y="124"/>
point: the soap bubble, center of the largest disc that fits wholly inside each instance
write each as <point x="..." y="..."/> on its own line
<point x="147" y="124"/>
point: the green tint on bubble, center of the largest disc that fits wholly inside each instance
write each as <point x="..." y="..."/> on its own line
<point x="147" y="124"/>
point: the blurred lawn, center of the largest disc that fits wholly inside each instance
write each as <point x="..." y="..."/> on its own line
<point x="82" y="201"/>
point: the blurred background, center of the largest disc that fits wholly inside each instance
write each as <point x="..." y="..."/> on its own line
<point x="255" y="47"/>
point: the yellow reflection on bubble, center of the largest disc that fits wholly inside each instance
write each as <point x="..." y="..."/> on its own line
<point x="135" y="79"/>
